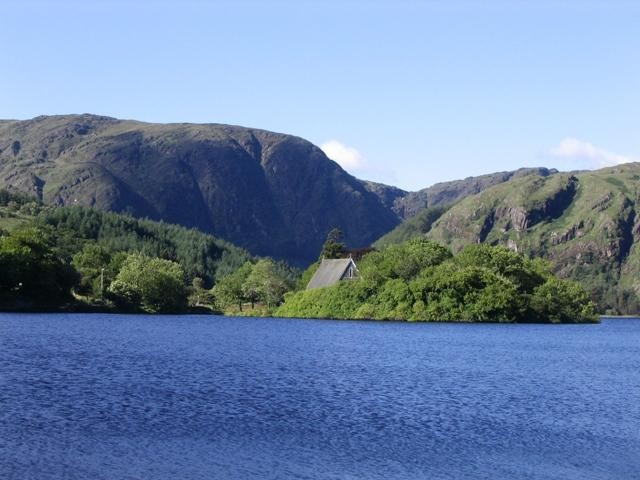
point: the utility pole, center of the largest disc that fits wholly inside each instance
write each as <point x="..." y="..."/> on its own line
<point x="102" y="284"/>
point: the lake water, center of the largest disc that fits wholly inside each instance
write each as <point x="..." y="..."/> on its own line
<point x="198" y="397"/>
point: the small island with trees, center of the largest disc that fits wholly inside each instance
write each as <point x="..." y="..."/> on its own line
<point x="421" y="280"/>
<point x="81" y="259"/>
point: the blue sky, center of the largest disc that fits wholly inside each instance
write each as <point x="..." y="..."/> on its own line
<point x="407" y="93"/>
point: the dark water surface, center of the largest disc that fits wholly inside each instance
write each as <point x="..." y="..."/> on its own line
<point x="193" y="397"/>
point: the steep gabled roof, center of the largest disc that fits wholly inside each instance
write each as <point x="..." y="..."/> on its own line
<point x="330" y="272"/>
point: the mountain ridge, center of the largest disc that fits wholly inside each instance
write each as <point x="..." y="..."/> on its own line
<point x="272" y="193"/>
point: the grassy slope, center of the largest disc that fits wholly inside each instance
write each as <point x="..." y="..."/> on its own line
<point x="415" y="226"/>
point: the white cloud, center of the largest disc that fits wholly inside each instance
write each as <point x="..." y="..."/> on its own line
<point x="573" y="148"/>
<point x="347" y="157"/>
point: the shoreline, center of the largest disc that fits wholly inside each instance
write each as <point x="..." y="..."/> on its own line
<point x="202" y="312"/>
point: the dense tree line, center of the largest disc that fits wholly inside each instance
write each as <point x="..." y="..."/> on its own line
<point x="75" y="257"/>
<point x="421" y="280"/>
<point x="31" y="274"/>
<point x="34" y="276"/>
<point x="153" y="284"/>
<point x="200" y="255"/>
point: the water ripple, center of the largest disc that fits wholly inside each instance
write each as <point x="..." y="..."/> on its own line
<point x="134" y="397"/>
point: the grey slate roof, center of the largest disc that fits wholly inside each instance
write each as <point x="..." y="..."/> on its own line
<point x="330" y="272"/>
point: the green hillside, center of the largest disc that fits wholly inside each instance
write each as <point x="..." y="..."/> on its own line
<point x="415" y="226"/>
<point x="585" y="223"/>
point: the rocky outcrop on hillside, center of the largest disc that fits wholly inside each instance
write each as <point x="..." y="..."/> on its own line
<point x="585" y="223"/>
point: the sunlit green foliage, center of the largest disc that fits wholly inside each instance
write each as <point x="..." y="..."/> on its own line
<point x="402" y="261"/>
<point x="334" y="247"/>
<point x="342" y="300"/>
<point x="31" y="274"/>
<point x="93" y="262"/>
<point x="154" y="284"/>
<point x="267" y="283"/>
<point x="229" y="290"/>
<point x="421" y="280"/>
<point x="561" y="301"/>
<point x="264" y="282"/>
<point x="451" y="292"/>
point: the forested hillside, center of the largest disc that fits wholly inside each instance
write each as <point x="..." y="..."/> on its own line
<point x="48" y="252"/>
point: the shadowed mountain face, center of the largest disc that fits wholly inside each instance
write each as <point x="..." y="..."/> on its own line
<point x="274" y="194"/>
